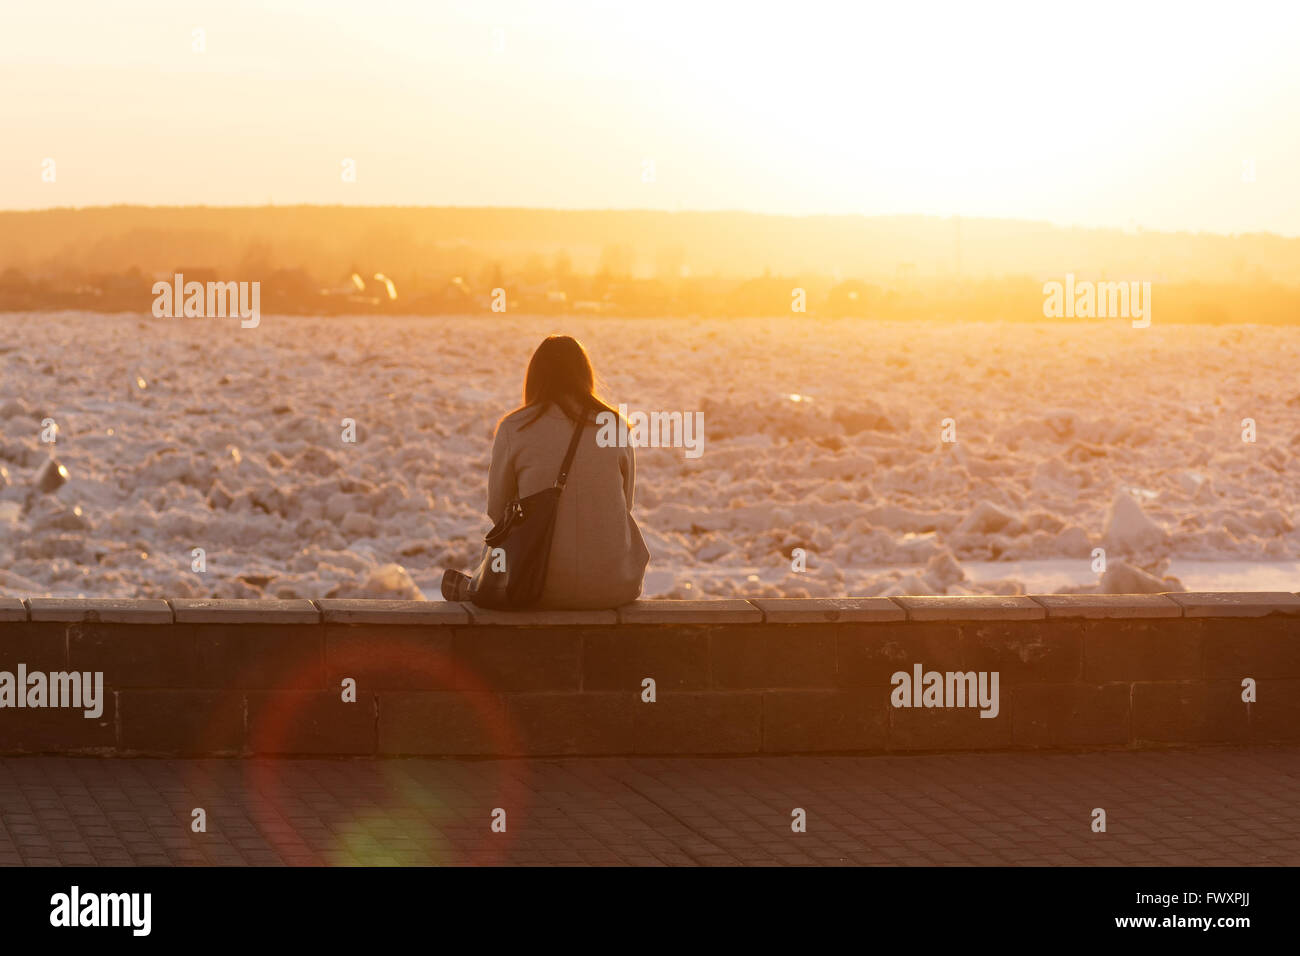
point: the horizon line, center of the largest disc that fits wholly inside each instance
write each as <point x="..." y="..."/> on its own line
<point x="1137" y="230"/>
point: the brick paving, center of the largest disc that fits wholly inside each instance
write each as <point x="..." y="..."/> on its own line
<point x="1205" y="807"/>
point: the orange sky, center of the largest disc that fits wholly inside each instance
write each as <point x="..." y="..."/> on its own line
<point x="1095" y="114"/>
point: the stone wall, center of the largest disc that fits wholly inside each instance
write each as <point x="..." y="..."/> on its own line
<point x="225" y="677"/>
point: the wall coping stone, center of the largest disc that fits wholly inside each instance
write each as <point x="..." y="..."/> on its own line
<point x="363" y="611"/>
<point x="106" y="610"/>
<point x="690" y="612"/>
<point x="12" y="609"/>
<point x="244" y="611"/>
<point x="1236" y="603"/>
<point x="966" y="607"/>
<point x="1095" y="606"/>
<point x="838" y="610"/>
<point x="972" y="607"/>
<point x="541" y="617"/>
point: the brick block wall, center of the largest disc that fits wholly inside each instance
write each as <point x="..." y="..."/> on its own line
<point x="333" y="677"/>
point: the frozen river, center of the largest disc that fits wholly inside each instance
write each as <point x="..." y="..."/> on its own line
<point x="839" y="457"/>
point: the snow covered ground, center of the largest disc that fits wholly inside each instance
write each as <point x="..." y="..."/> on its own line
<point x="822" y="436"/>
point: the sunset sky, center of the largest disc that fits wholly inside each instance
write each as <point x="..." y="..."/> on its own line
<point x="1124" y="115"/>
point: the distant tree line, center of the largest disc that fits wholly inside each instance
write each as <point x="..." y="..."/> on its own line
<point x="554" y="288"/>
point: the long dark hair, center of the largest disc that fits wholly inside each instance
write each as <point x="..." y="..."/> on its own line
<point x="560" y="374"/>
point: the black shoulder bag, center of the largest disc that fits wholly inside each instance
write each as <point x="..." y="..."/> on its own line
<point x="518" y="548"/>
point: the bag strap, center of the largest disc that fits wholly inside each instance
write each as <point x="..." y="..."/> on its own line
<point x="568" y="455"/>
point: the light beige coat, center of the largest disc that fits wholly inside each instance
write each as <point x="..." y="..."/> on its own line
<point x="598" y="557"/>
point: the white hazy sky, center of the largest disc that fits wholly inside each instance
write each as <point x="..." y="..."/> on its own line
<point x="1099" y="114"/>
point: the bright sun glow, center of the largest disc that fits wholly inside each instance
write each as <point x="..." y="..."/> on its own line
<point x="1111" y="114"/>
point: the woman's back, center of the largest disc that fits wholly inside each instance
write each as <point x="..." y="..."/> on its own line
<point x="598" y="557"/>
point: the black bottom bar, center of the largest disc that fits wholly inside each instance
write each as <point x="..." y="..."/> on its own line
<point x="493" y="906"/>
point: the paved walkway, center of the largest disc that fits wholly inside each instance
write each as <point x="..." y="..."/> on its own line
<point x="1224" y="807"/>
